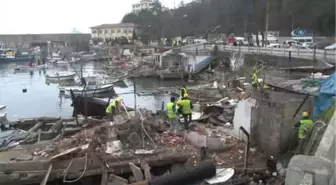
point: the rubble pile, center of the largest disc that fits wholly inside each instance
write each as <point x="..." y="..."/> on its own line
<point x="219" y="113"/>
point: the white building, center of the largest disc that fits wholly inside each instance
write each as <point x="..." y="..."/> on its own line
<point x="111" y="31"/>
<point x="142" y="5"/>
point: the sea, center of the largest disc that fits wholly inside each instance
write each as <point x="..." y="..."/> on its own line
<point x="44" y="99"/>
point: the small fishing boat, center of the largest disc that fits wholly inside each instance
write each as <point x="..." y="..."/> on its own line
<point x="10" y="55"/>
<point x="63" y="62"/>
<point x="91" y="89"/>
<point x="33" y="67"/>
<point x="61" y="76"/>
<point x="2" y="107"/>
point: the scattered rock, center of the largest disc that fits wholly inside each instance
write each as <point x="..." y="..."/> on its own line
<point x="134" y="138"/>
<point x="138" y="175"/>
<point x="116" y="180"/>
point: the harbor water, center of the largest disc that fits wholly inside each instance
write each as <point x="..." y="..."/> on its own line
<point x="43" y="99"/>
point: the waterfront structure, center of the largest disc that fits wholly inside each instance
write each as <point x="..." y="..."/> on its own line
<point x="112" y="31"/>
<point x="142" y="5"/>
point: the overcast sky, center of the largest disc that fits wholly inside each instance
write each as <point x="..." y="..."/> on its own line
<point x="62" y="16"/>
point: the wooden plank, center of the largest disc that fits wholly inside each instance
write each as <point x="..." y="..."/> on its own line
<point x="35" y="127"/>
<point x="104" y="178"/>
<point x="46" y="177"/>
<point x="57" y="126"/>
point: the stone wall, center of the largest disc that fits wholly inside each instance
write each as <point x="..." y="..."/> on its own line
<point x="318" y="169"/>
<point x="75" y="40"/>
<point x="272" y="122"/>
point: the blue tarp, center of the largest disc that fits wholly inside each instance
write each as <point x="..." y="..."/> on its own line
<point x="326" y="95"/>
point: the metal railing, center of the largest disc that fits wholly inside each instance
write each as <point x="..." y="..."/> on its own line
<point x="295" y="52"/>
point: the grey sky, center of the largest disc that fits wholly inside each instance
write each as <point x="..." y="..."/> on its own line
<point x="62" y="16"/>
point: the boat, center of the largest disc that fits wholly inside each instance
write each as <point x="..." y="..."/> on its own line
<point x="61" y="76"/>
<point x="10" y="55"/>
<point x="33" y="67"/>
<point x="3" y="115"/>
<point x="63" y="62"/>
<point x="95" y="107"/>
<point x="2" y="107"/>
<point x="91" y="89"/>
<point x="87" y="56"/>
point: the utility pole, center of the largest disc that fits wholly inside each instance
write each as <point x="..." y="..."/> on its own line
<point x="292" y="21"/>
<point x="267" y="16"/>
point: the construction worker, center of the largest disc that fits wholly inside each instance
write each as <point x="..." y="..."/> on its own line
<point x="304" y="127"/>
<point x="184" y="91"/>
<point x="113" y="108"/>
<point x="179" y="113"/>
<point x="172" y="116"/>
<point x="255" y="80"/>
<point x="186" y="110"/>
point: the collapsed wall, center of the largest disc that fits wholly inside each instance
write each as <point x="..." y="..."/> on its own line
<point x="272" y="121"/>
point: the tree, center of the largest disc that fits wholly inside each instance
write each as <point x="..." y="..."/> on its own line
<point x="195" y="18"/>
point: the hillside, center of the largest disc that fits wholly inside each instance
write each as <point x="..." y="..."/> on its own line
<point x="234" y="16"/>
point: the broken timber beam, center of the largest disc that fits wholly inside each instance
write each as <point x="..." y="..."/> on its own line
<point x="117" y="165"/>
<point x="46" y="177"/>
<point x="57" y="126"/>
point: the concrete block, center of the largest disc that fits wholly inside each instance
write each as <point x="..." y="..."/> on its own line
<point x="299" y="165"/>
<point x="215" y="144"/>
<point x="113" y="146"/>
<point x="116" y="180"/>
<point x="138" y="175"/>
<point x="196" y="139"/>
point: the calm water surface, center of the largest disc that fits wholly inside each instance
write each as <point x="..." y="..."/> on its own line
<point x="42" y="99"/>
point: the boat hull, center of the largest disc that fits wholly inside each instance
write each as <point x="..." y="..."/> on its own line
<point x="21" y="68"/>
<point x="79" y="90"/>
<point x="95" y="107"/>
<point x="68" y="77"/>
<point x="18" y="59"/>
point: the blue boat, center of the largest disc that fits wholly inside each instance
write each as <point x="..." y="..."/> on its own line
<point x="11" y="56"/>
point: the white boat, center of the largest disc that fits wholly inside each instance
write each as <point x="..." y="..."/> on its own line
<point x="91" y="89"/>
<point x="33" y="67"/>
<point x="2" y="107"/>
<point x="61" y="76"/>
<point x="3" y="115"/>
<point x="63" y="62"/>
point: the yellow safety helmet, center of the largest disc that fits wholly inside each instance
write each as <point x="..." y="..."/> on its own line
<point x="179" y="102"/>
<point x="118" y="99"/>
<point x="185" y="96"/>
<point x="305" y="114"/>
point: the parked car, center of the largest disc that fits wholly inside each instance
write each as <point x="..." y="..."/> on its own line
<point x="272" y="44"/>
<point x="331" y="47"/>
<point x="320" y="45"/>
<point x="293" y="44"/>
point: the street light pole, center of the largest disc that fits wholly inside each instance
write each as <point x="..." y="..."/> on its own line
<point x="267" y="16"/>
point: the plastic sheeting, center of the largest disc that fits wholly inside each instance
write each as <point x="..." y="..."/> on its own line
<point x="326" y="95"/>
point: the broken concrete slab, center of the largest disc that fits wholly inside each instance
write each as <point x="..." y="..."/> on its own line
<point x="196" y="139"/>
<point x="215" y="144"/>
<point x="138" y="175"/>
<point x="116" y="180"/>
<point x="300" y="165"/>
<point x="113" y="147"/>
